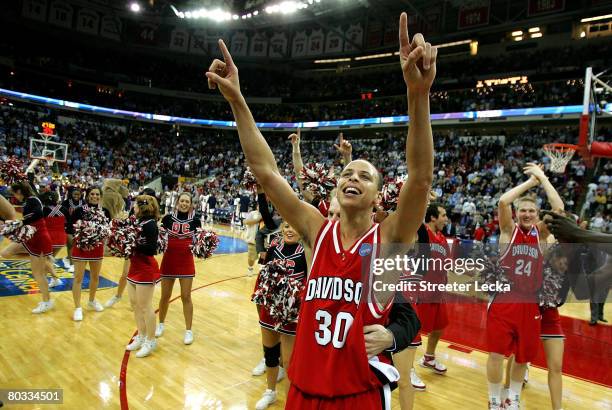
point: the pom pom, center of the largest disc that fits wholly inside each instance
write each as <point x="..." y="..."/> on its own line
<point x="204" y="243"/>
<point x="123" y="236"/>
<point x="162" y="240"/>
<point x="493" y="273"/>
<point x="316" y="180"/>
<point x="16" y="231"/>
<point x="278" y="292"/>
<point x="549" y="295"/>
<point x="390" y="193"/>
<point x="249" y="181"/>
<point x="92" y="230"/>
<point x="11" y="170"/>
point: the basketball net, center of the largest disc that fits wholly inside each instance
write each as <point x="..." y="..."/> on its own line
<point x="560" y="155"/>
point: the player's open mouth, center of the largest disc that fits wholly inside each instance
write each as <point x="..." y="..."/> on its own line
<point x="350" y="191"/>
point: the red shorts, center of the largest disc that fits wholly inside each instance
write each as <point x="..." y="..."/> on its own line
<point x="40" y="243"/>
<point x="416" y="342"/>
<point x="370" y="400"/>
<point x="144" y="270"/>
<point x="266" y="321"/>
<point x="95" y="254"/>
<point x="58" y="239"/>
<point x="178" y="260"/>
<point x="433" y="316"/>
<point x="514" y="328"/>
<point x="55" y="226"/>
<point x="551" y="324"/>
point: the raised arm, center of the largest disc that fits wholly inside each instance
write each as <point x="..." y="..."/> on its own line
<point x="7" y="212"/>
<point x="418" y="62"/>
<point x="345" y="149"/>
<point x="305" y="218"/>
<point x="298" y="164"/>
<point x="506" y="224"/>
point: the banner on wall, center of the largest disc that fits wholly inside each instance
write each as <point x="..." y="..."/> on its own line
<point x="538" y="7"/>
<point x="34" y="9"/>
<point x="60" y="14"/>
<point x="259" y="45"/>
<point x="198" y="44"/>
<point x="111" y="28"/>
<point x="179" y="40"/>
<point x="316" y="41"/>
<point x="88" y="21"/>
<point x="355" y="34"/>
<point x="334" y="43"/>
<point x="278" y="45"/>
<point x="474" y="15"/>
<point x="239" y="44"/>
<point x="298" y="47"/>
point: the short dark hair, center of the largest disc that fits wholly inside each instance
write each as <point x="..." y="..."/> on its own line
<point x="148" y="191"/>
<point x="433" y="211"/>
<point x="49" y="198"/>
<point x="24" y="188"/>
<point x="148" y="207"/>
<point x="91" y="188"/>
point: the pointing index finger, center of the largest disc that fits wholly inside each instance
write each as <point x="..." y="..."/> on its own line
<point x="403" y="31"/>
<point x="227" y="57"/>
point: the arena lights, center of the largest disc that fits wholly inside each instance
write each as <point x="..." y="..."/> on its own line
<point x="371" y="56"/>
<point x="333" y="60"/>
<point x="135" y="7"/>
<point x="536" y="35"/>
<point x="219" y="15"/>
<point x="596" y="18"/>
<point x="359" y="122"/>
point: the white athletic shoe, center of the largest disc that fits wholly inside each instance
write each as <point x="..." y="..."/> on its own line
<point x="281" y="374"/>
<point x="66" y="262"/>
<point x="526" y="378"/>
<point x="260" y="368"/>
<point x="188" y="337"/>
<point x="112" y="301"/>
<point x="159" y="330"/>
<point x="71" y="268"/>
<point x="55" y="282"/>
<point x="95" y="305"/>
<point x="77" y="316"/>
<point x="268" y="398"/>
<point x="43" y="307"/>
<point x="136" y="343"/>
<point x="512" y="405"/>
<point x="504" y="394"/>
<point x="147" y="348"/>
<point x="495" y="406"/>
<point x="416" y="381"/>
<point x="434" y="365"/>
<point x="250" y="272"/>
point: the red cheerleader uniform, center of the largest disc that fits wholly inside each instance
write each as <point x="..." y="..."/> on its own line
<point x="55" y="218"/>
<point x="143" y="266"/>
<point x="95" y="254"/>
<point x="296" y="261"/>
<point x="40" y="243"/>
<point x="177" y="262"/>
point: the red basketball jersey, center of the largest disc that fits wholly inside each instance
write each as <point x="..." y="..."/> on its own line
<point x="329" y="357"/>
<point x="523" y="263"/>
<point x="439" y="252"/>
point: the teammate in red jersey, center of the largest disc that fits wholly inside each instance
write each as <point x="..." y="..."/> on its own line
<point x="513" y="318"/>
<point x="178" y="261"/>
<point x="329" y="367"/>
<point x="432" y="309"/>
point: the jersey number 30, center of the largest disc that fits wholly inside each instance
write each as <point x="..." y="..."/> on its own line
<point x="336" y="335"/>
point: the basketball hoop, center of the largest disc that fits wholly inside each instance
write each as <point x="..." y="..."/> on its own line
<point x="560" y="155"/>
<point x="50" y="160"/>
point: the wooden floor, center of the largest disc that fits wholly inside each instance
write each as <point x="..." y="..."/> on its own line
<point x="87" y="359"/>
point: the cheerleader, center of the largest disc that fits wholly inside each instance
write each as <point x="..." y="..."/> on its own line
<point x="55" y="218"/>
<point x="81" y="257"/>
<point x="178" y="261"/>
<point x="143" y="275"/>
<point x="276" y="340"/>
<point x="73" y="201"/>
<point x="39" y="246"/>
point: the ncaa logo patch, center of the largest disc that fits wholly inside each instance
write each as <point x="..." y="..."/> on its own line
<point x="365" y="249"/>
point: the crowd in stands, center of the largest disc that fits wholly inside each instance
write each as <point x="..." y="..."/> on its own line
<point x="468" y="181"/>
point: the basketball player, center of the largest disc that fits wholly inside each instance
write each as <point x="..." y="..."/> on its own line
<point x="276" y="340"/>
<point x="513" y="318"/>
<point x="178" y="263"/>
<point x="432" y="309"/>
<point x="143" y="275"/>
<point x="71" y="203"/>
<point x="39" y="247"/>
<point x="252" y="220"/>
<point x="82" y="257"/>
<point x="330" y="339"/>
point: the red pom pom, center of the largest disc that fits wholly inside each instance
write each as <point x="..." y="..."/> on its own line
<point x="278" y="292"/>
<point x="316" y="180"/>
<point x="92" y="230"/>
<point x="390" y="193"/>
<point x="123" y="236"/>
<point x="162" y="240"/>
<point x="204" y="243"/>
<point x="16" y="231"/>
<point x="11" y="170"/>
<point x="249" y="181"/>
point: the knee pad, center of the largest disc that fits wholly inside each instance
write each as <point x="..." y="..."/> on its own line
<point x="272" y="355"/>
